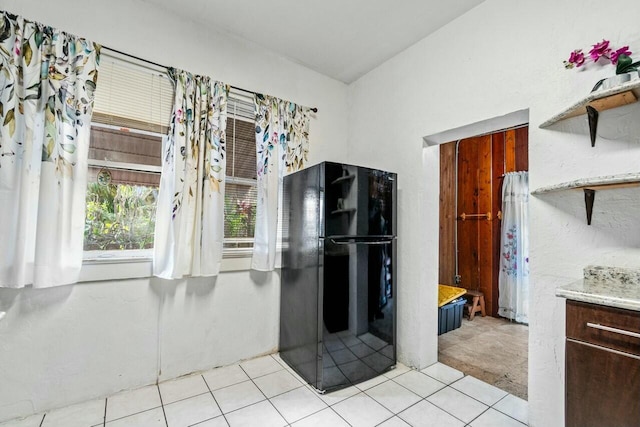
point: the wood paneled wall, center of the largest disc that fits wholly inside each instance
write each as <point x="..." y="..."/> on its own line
<point x="447" y="266"/>
<point x="482" y="162"/>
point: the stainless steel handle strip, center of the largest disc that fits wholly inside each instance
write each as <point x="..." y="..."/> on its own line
<point x="610" y="350"/>
<point x="614" y="330"/>
<point x="355" y="242"/>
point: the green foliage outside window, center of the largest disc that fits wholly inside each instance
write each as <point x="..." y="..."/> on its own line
<point x="240" y="220"/>
<point x="119" y="216"/>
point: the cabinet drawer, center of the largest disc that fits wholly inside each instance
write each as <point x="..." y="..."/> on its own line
<point x="609" y="327"/>
<point x="602" y="387"/>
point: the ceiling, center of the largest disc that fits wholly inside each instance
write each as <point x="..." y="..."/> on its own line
<point x="343" y="39"/>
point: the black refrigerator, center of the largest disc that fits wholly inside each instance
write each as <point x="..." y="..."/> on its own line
<point x="338" y="287"/>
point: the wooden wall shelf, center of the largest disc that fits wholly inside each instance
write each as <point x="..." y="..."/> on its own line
<point x="595" y="102"/>
<point x="590" y="185"/>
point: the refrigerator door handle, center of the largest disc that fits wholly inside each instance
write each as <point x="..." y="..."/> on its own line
<point x="362" y="242"/>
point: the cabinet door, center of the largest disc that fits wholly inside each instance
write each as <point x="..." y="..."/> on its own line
<point x="602" y="387"/>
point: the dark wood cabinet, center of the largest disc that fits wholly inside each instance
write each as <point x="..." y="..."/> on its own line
<point x="602" y="366"/>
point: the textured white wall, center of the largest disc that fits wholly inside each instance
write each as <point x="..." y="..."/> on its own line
<point x="69" y="344"/>
<point x="502" y="57"/>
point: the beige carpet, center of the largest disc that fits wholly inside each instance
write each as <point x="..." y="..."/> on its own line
<point x="490" y="349"/>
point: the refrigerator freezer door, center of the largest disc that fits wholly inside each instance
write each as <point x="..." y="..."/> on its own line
<point x="359" y="201"/>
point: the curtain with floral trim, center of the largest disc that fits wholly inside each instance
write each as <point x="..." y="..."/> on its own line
<point x="513" y="277"/>
<point x="47" y="84"/>
<point x="282" y="146"/>
<point x="190" y="211"/>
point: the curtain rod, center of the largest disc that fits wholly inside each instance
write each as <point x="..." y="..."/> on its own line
<point x="314" y="109"/>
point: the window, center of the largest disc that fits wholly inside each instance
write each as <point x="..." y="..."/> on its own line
<point x="240" y="191"/>
<point x="124" y="175"/>
<point x="132" y="110"/>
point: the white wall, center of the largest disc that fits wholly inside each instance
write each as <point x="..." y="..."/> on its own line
<point x="501" y="57"/>
<point x="68" y="344"/>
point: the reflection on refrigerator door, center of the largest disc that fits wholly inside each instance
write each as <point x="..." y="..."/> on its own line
<point x="358" y="314"/>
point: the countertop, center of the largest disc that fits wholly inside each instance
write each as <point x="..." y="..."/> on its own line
<point x="610" y="286"/>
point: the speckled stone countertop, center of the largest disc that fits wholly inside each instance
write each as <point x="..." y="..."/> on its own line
<point x="612" y="286"/>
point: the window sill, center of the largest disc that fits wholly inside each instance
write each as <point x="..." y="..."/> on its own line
<point x="114" y="265"/>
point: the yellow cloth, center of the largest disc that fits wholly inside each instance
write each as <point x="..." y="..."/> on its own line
<point x="448" y="293"/>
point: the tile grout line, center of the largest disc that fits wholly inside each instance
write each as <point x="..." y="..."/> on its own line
<point x="214" y="398"/>
<point x="396" y="414"/>
<point x="444" y="410"/>
<point x="421" y="398"/>
<point x="265" y="396"/>
<point x="503" y="413"/>
<point x="104" y="417"/>
<point x="468" y="395"/>
<point x="162" y="405"/>
<point x="479" y="415"/>
<point x="327" y="406"/>
<point x="302" y="385"/>
<point x="134" y="413"/>
<point x="191" y="397"/>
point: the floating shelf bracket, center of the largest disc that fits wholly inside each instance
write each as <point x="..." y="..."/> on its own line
<point x="592" y="114"/>
<point x="589" y="196"/>
<point x="598" y="101"/>
<point x="591" y="185"/>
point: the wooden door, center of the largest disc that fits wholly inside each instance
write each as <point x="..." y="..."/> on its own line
<point x="447" y="257"/>
<point x="474" y="217"/>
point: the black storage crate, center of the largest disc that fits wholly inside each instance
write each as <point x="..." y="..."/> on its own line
<point x="450" y="316"/>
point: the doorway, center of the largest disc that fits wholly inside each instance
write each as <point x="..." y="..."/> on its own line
<point x="472" y="171"/>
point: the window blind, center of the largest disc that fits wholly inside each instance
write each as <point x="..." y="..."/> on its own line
<point x="240" y="189"/>
<point x="132" y="95"/>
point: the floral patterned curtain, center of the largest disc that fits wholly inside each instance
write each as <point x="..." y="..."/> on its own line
<point x="189" y="221"/>
<point x="282" y="144"/>
<point x="513" y="279"/>
<point x="47" y="83"/>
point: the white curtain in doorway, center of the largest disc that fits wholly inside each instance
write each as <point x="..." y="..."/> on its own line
<point x="513" y="281"/>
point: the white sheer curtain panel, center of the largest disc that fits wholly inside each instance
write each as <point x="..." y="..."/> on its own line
<point x="513" y="278"/>
<point x="282" y="146"/>
<point x="47" y="83"/>
<point x="190" y="212"/>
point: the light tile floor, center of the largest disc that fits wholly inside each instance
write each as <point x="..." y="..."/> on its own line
<point x="266" y="392"/>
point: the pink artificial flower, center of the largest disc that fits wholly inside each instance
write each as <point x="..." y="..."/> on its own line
<point x="622" y="51"/>
<point x="599" y="50"/>
<point x="577" y="58"/>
